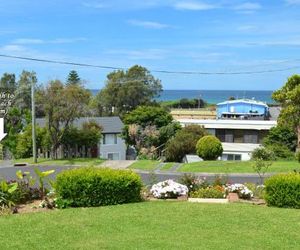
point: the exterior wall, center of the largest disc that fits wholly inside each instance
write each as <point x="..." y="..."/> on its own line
<point x="245" y="156"/>
<point x="241" y="107"/>
<point x="120" y="148"/>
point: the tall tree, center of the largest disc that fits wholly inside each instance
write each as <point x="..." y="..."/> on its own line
<point x="8" y="81"/>
<point x="125" y="90"/>
<point x="62" y="104"/>
<point x="23" y="92"/>
<point x="73" y="78"/>
<point x="289" y="99"/>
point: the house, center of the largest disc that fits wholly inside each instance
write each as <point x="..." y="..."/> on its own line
<point x="111" y="146"/>
<point x="242" y="109"/>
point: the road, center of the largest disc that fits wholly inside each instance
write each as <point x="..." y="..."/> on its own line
<point x="9" y="173"/>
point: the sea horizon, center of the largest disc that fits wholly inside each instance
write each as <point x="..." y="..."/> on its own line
<point x="211" y="96"/>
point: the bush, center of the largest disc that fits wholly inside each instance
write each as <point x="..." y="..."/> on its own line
<point x="281" y="151"/>
<point x="91" y="187"/>
<point x="209" y="147"/>
<point x="168" y="189"/>
<point x="283" y="190"/>
<point x="193" y="182"/>
<point x="209" y="192"/>
<point x="184" y="142"/>
<point x="263" y="154"/>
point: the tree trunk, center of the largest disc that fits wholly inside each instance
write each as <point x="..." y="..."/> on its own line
<point x="298" y="136"/>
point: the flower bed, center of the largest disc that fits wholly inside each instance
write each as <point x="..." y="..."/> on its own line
<point x="168" y="189"/>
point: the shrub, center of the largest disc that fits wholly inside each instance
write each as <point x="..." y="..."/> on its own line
<point x="263" y="154"/>
<point x="184" y="142"/>
<point x="297" y="155"/>
<point x="168" y="189"/>
<point x="91" y="187"/>
<point x="193" y="182"/>
<point x="281" y="151"/>
<point x="283" y="190"/>
<point x="209" y="192"/>
<point x="209" y="147"/>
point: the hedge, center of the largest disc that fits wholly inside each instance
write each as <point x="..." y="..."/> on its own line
<point x="283" y="190"/>
<point x="91" y="187"/>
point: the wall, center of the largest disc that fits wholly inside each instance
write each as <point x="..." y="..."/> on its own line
<point x="120" y="148"/>
<point x="240" y="108"/>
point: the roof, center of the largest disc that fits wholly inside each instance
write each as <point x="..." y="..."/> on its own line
<point x="248" y="101"/>
<point x="230" y="124"/>
<point x="109" y="125"/>
<point x="239" y="147"/>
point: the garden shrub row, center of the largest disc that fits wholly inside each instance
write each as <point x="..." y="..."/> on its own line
<point x="283" y="190"/>
<point x="90" y="187"/>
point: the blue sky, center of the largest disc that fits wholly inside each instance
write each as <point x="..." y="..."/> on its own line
<point x="176" y="35"/>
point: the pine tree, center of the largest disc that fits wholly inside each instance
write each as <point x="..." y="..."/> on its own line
<point x="73" y="77"/>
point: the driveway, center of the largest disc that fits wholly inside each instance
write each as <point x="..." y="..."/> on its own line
<point x="117" y="164"/>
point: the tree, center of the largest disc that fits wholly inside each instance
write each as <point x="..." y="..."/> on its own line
<point x="73" y="78"/>
<point x="62" y="105"/>
<point x="23" y="91"/>
<point x="289" y="99"/>
<point x="209" y="148"/>
<point x="125" y="90"/>
<point x="148" y="115"/>
<point x="184" y="142"/>
<point x="8" y="81"/>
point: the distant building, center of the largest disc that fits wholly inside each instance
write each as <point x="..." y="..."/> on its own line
<point x="243" y="109"/>
<point x="111" y="146"/>
<point x="239" y="137"/>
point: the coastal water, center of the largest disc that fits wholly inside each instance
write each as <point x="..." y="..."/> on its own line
<point x="213" y="96"/>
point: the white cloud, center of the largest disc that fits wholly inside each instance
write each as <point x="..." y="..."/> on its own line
<point x="148" y="24"/>
<point x="292" y="2"/>
<point x="13" y="48"/>
<point x="193" y="5"/>
<point x="145" y="54"/>
<point x="53" y="41"/>
<point x="247" y="7"/>
<point x="95" y="5"/>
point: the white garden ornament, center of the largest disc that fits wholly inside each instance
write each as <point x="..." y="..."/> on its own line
<point x="168" y="189"/>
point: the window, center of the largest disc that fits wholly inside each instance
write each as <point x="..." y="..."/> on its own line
<point x="231" y="157"/>
<point x="109" y="139"/>
<point x="251" y="137"/>
<point x="113" y="156"/>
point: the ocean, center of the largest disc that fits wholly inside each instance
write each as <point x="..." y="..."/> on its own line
<point x="213" y="96"/>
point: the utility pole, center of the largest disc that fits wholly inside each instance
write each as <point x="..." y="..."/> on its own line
<point x="33" y="123"/>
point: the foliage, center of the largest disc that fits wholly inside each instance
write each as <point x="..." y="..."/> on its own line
<point x="6" y="191"/>
<point x="24" y="141"/>
<point x="126" y="90"/>
<point x="280" y="151"/>
<point x="209" y="192"/>
<point x="184" y="142"/>
<point x="283" y="190"/>
<point x="73" y="78"/>
<point x="243" y="191"/>
<point x="62" y="105"/>
<point x="185" y="103"/>
<point x="41" y="179"/>
<point x="16" y="120"/>
<point x="263" y="154"/>
<point x="167" y="132"/>
<point x="168" y="189"/>
<point x="86" y="187"/>
<point x="289" y="99"/>
<point x="257" y="190"/>
<point x="282" y="135"/>
<point x="298" y="156"/>
<point x="261" y="167"/>
<point x="8" y="81"/>
<point x="209" y="147"/>
<point x="193" y="182"/>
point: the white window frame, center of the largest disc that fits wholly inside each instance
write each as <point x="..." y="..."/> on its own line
<point x="115" y="139"/>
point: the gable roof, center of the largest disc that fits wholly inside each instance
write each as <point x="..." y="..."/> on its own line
<point x="112" y="124"/>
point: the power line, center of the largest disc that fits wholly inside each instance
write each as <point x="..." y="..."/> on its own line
<point x="155" y="71"/>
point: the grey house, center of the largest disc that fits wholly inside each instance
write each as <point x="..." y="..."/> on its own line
<point x="111" y="146"/>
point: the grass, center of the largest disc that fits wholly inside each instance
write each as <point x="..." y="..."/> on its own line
<point x="145" y="165"/>
<point x="61" y="162"/>
<point x="236" y="167"/>
<point x="154" y="225"/>
<point x="167" y="166"/>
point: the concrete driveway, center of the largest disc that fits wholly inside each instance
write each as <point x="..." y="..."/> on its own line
<point x="116" y="164"/>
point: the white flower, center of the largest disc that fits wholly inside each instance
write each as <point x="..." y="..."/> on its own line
<point x="168" y="188"/>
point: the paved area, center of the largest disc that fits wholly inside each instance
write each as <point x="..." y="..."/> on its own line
<point x="117" y="164"/>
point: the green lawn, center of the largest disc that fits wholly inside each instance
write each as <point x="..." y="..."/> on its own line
<point x="155" y="225"/>
<point x="167" y="166"/>
<point x="145" y="165"/>
<point x="236" y="167"/>
<point x="75" y="161"/>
